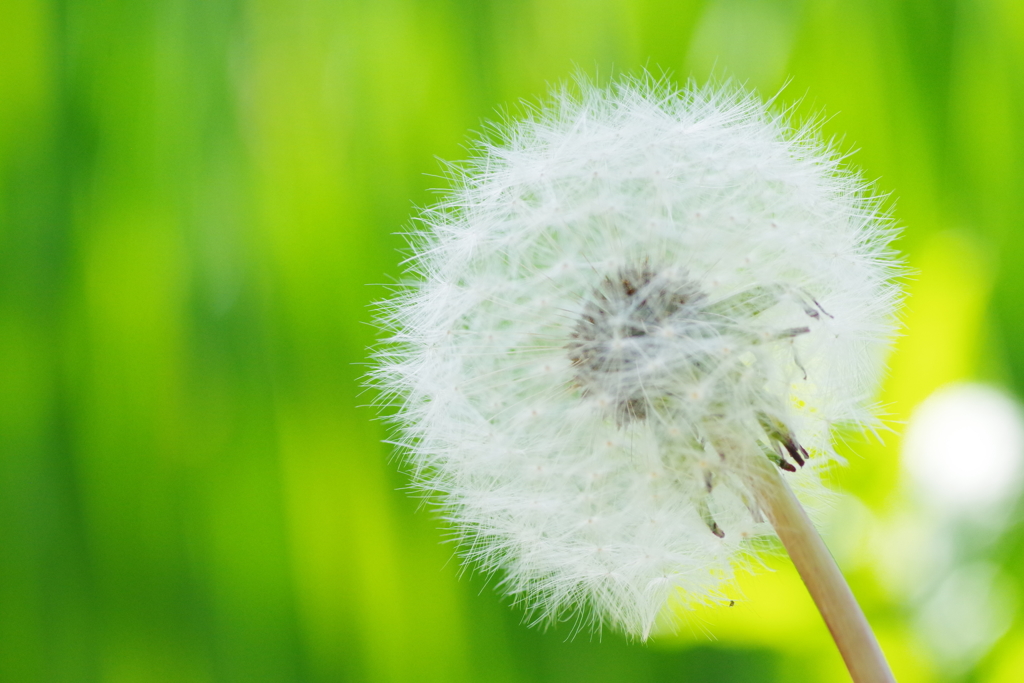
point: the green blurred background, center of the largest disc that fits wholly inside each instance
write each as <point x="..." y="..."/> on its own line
<point x="194" y="195"/>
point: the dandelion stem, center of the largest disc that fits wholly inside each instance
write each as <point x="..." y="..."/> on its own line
<point x="829" y="590"/>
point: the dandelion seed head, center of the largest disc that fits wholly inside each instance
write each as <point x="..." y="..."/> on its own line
<point x="627" y="296"/>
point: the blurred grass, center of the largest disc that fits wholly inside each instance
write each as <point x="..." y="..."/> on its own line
<point x="193" y="198"/>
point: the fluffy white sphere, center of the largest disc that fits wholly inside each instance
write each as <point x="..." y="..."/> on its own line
<point x="632" y="293"/>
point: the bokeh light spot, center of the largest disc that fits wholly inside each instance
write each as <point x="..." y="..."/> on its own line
<point x="964" y="446"/>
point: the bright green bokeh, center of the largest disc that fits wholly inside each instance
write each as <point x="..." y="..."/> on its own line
<point x="194" y="195"/>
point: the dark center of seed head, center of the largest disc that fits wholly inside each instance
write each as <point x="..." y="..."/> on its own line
<point x="621" y="324"/>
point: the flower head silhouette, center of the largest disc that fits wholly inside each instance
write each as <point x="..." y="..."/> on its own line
<point x="629" y="302"/>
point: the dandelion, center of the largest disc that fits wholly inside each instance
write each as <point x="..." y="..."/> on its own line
<point x="635" y="323"/>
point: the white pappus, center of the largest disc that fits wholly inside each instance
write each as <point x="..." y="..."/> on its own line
<point x="629" y="295"/>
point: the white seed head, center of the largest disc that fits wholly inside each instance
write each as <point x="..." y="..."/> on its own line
<point x="627" y="297"/>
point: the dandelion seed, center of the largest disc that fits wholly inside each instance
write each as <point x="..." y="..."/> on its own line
<point x="629" y="291"/>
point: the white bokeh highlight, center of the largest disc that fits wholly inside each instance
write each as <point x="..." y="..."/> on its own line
<point x="964" y="447"/>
